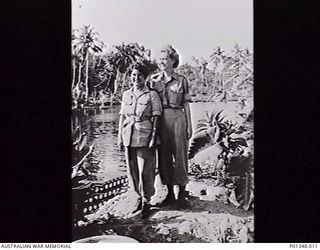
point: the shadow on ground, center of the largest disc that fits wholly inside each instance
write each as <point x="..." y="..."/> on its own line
<point x="199" y="221"/>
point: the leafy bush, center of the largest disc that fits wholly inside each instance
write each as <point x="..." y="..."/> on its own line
<point x="232" y="164"/>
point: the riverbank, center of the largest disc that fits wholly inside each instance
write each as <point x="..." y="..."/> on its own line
<point x="207" y="218"/>
<point x="200" y="98"/>
<point x="101" y="128"/>
<point x="213" y="214"/>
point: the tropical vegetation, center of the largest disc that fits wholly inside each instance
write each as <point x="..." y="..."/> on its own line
<point x="223" y="150"/>
<point x="99" y="77"/>
<point x="220" y="148"/>
<point x="100" y="73"/>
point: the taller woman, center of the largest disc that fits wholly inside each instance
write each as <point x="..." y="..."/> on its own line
<point x="175" y="124"/>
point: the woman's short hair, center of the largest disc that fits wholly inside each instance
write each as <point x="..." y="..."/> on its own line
<point x="173" y="54"/>
<point x="142" y="68"/>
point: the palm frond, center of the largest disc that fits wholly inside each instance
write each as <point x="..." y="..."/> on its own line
<point x="203" y="137"/>
<point x="197" y="144"/>
<point x="200" y="129"/>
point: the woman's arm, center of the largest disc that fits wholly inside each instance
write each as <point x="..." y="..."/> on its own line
<point x="186" y="106"/>
<point x="120" y="142"/>
<point x="188" y="116"/>
<point x="154" y="131"/>
<point x="156" y="110"/>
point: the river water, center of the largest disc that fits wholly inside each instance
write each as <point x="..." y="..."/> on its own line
<point x="101" y="126"/>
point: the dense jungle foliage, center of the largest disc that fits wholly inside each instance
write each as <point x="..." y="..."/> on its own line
<point x="100" y="73"/>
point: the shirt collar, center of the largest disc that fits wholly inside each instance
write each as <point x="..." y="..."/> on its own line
<point x="174" y="75"/>
<point x="143" y="91"/>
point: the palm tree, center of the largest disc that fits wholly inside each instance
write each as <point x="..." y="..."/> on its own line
<point x="128" y="54"/>
<point x="241" y="66"/>
<point x="203" y="70"/>
<point x="218" y="58"/>
<point x="236" y="57"/>
<point x="217" y="55"/>
<point x="232" y="69"/>
<point x="87" y="42"/>
<point x="122" y="58"/>
<point x="76" y="58"/>
<point x="73" y="58"/>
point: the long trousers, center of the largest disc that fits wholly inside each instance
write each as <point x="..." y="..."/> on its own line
<point x="141" y="162"/>
<point x="173" y="150"/>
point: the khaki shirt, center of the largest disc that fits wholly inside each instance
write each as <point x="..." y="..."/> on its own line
<point x="173" y="93"/>
<point x="138" y="111"/>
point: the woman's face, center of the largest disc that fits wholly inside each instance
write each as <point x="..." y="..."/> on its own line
<point x="165" y="62"/>
<point x="137" y="78"/>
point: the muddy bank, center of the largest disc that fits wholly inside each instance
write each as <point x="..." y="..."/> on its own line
<point x="207" y="218"/>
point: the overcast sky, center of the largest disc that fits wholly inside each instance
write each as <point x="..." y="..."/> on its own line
<point x="194" y="27"/>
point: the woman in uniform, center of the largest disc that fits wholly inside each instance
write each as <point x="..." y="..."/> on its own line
<point x="139" y="114"/>
<point x="175" y="125"/>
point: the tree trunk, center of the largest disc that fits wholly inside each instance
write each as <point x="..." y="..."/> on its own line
<point x="99" y="60"/>
<point x="111" y="99"/>
<point x="123" y="81"/>
<point x="116" y="85"/>
<point x="93" y="61"/>
<point x="87" y="77"/>
<point x="79" y="72"/>
<point x="222" y="81"/>
<point x="73" y="73"/>
<point x="116" y="82"/>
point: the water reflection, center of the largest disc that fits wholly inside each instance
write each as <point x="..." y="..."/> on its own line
<point x="106" y="160"/>
<point x="101" y="126"/>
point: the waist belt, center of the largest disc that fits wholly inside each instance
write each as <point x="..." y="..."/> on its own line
<point x="139" y="118"/>
<point x="170" y="107"/>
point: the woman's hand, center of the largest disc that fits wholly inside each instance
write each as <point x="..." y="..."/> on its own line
<point x="155" y="122"/>
<point x="152" y="142"/>
<point x="120" y="142"/>
<point x="189" y="132"/>
<point x="188" y="117"/>
<point x="120" y="145"/>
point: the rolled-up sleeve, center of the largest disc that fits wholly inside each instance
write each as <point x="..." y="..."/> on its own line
<point x="186" y="93"/>
<point x="122" y="111"/>
<point x="155" y="104"/>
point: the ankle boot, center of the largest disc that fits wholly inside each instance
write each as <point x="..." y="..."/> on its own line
<point x="183" y="194"/>
<point x="170" y="196"/>
<point x="139" y="206"/>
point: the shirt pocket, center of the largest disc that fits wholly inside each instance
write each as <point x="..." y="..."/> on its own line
<point x="143" y="106"/>
<point x="143" y="133"/>
<point x="129" y="105"/>
<point x="175" y="95"/>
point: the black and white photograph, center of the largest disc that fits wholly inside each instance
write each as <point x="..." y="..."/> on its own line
<point x="162" y="121"/>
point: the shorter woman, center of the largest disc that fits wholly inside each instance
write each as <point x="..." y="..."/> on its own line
<point x="140" y="109"/>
